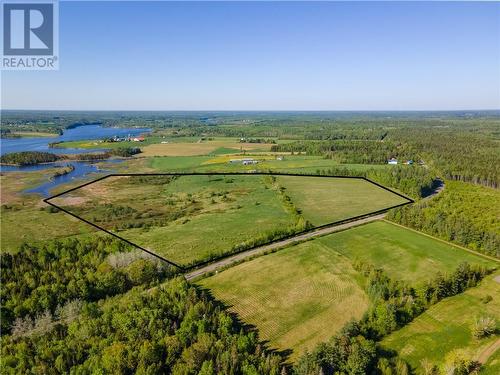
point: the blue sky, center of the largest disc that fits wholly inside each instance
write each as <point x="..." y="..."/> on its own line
<point x="268" y="56"/>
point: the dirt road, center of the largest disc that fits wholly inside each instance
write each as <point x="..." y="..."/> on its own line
<point x="238" y="257"/>
<point x="488" y="352"/>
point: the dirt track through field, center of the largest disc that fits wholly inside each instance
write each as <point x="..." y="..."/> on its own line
<point x="276" y="245"/>
<point x="488" y="352"/>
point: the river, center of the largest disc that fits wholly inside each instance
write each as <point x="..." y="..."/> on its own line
<point x="81" y="168"/>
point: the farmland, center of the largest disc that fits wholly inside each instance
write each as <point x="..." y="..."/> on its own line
<point x="267" y="161"/>
<point x="446" y="327"/>
<point x="297" y="298"/>
<point x="254" y="290"/>
<point x="324" y="200"/>
<point x="402" y="253"/>
<point x="176" y="217"/>
<point x="157" y="145"/>
<point x="289" y="295"/>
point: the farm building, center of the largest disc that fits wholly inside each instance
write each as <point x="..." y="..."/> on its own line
<point x="243" y="161"/>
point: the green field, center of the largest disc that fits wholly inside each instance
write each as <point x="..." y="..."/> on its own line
<point x="251" y="210"/>
<point x="324" y="200"/>
<point x="190" y="219"/>
<point x="446" y="327"/>
<point x="176" y="163"/>
<point x="296" y="297"/>
<point x="402" y="253"/>
<point x="24" y="218"/>
<point x="267" y="161"/>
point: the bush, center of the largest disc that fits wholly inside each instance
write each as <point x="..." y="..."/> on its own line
<point x="484" y="327"/>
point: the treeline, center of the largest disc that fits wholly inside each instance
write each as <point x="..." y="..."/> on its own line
<point x="124" y="151"/>
<point x="35" y="157"/>
<point x="174" y="329"/>
<point x="292" y="128"/>
<point x="39" y="280"/>
<point x="355" y="351"/>
<point x="411" y="180"/>
<point x="257" y="140"/>
<point x="28" y="158"/>
<point x="299" y="224"/>
<point x="462" y="213"/>
<point x="463" y="152"/>
<point x="468" y="155"/>
<point x="351" y="151"/>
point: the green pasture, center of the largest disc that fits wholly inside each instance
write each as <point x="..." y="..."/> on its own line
<point x="324" y="200"/>
<point x="402" y="253"/>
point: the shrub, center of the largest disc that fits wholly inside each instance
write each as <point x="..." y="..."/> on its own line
<point x="484" y="327"/>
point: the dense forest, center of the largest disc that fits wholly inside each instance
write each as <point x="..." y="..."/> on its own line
<point x="28" y="158"/>
<point x="462" y="213"/>
<point x="35" y="157"/>
<point x="174" y="329"/>
<point x="464" y="157"/>
<point x="37" y="281"/>
<point x="351" y="152"/>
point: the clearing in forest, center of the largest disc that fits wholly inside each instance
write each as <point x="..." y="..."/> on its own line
<point x="191" y="219"/>
<point x="296" y="297"/>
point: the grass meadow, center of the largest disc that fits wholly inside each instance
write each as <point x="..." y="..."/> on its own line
<point x="296" y="297"/>
<point x="249" y="211"/>
<point x="445" y="327"/>
<point x="324" y="200"/>
<point x="402" y="253"/>
<point x="187" y="219"/>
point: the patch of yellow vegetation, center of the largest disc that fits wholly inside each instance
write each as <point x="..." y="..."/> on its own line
<point x="200" y="148"/>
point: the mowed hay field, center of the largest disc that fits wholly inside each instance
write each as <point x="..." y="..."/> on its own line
<point x="296" y="297"/>
<point x="402" y="253"/>
<point x="202" y="148"/>
<point x="445" y="327"/>
<point x="327" y="199"/>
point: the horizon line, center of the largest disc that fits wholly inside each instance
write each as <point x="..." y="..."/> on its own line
<point x="254" y="110"/>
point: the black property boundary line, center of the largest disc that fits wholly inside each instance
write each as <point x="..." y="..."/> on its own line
<point x="204" y="263"/>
